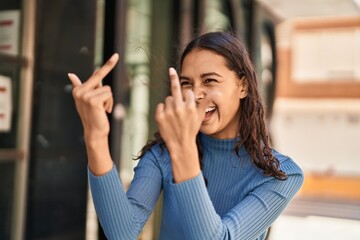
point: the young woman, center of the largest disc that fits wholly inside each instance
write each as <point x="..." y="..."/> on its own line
<point x="211" y="158"/>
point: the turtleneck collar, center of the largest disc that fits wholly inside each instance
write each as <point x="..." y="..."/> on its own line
<point x="219" y="145"/>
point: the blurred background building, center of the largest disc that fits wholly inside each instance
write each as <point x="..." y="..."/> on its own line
<point x="307" y="54"/>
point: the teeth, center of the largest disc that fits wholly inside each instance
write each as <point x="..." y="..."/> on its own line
<point x="210" y="109"/>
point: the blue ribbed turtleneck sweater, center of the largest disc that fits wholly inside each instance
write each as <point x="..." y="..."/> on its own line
<point x="239" y="202"/>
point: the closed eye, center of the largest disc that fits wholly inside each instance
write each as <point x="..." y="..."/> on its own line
<point x="209" y="80"/>
<point x="185" y="83"/>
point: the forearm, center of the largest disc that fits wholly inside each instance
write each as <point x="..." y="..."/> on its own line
<point x="112" y="206"/>
<point x="99" y="158"/>
<point x="199" y="218"/>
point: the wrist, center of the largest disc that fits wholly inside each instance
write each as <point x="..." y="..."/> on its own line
<point x="94" y="142"/>
<point x="98" y="153"/>
<point x="185" y="162"/>
<point x="182" y="148"/>
<point x="95" y="136"/>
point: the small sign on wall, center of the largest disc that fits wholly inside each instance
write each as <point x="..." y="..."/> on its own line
<point x="9" y="32"/>
<point x="5" y="104"/>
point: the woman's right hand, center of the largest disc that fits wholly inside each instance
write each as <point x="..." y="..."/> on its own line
<point x="93" y="100"/>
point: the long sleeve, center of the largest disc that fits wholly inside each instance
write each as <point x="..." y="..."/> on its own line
<point x="123" y="215"/>
<point x="247" y="220"/>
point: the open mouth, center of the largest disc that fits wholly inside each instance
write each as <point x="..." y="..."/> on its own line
<point x="208" y="112"/>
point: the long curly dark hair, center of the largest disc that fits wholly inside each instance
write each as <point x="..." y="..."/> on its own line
<point x="252" y="128"/>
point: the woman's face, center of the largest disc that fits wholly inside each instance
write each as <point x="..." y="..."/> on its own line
<point x="206" y="74"/>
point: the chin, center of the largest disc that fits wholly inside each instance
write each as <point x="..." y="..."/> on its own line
<point x="207" y="130"/>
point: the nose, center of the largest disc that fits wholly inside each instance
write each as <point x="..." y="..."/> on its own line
<point x="199" y="93"/>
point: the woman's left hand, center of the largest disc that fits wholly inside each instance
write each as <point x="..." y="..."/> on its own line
<point x="179" y="120"/>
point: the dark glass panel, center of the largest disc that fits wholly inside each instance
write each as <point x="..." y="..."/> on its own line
<point x="57" y="179"/>
<point x="7" y="171"/>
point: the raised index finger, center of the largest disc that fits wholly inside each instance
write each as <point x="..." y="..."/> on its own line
<point x="175" y="85"/>
<point x="101" y="73"/>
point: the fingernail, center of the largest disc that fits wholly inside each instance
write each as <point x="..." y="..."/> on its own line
<point x="172" y="71"/>
<point x="70" y="75"/>
<point x="115" y="55"/>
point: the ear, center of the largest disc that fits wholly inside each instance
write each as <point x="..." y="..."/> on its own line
<point x="243" y="89"/>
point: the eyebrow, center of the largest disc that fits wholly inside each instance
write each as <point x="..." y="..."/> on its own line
<point x="209" y="74"/>
<point x="203" y="75"/>
<point x="184" y="78"/>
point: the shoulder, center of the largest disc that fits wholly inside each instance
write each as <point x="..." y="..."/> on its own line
<point x="286" y="188"/>
<point x="157" y="154"/>
<point x="287" y="164"/>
